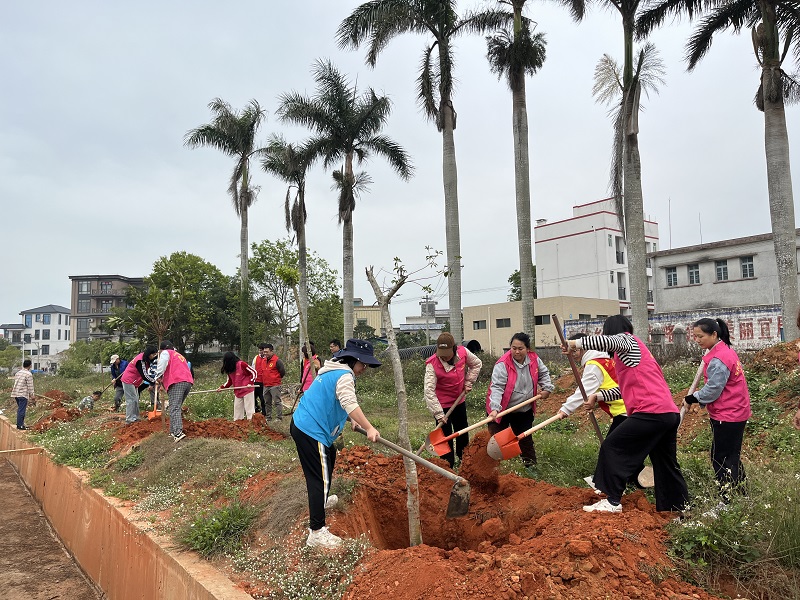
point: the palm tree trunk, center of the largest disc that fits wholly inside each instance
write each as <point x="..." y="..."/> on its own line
<point x="302" y="265"/>
<point x="634" y="229"/>
<point x="244" y="316"/>
<point x="452" y="230"/>
<point x="412" y="483"/>
<point x="347" y="274"/>
<point x="781" y="203"/>
<point x="522" y="184"/>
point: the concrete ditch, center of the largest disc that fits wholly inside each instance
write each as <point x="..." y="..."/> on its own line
<point x="124" y="561"/>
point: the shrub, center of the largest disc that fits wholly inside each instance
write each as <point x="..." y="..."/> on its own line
<point x="129" y="462"/>
<point x="220" y="530"/>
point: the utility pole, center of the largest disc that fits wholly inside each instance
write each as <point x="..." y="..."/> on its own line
<point x="424" y="303"/>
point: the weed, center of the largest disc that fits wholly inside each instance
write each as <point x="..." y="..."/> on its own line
<point x="218" y="531"/>
<point x="129" y="462"/>
<point x="159" y="498"/>
<point x="76" y="448"/>
<point x="111" y="487"/>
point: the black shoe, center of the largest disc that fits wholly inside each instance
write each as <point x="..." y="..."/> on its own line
<point x="23" y="427"/>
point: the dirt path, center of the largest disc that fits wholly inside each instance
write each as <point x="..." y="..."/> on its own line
<point x="33" y="563"/>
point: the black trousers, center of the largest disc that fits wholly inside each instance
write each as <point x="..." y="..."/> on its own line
<point x="519" y="421"/>
<point x="624" y="450"/>
<point x="726" y="453"/>
<point x="259" y="392"/>
<point x="317" y="461"/>
<point x="456" y="422"/>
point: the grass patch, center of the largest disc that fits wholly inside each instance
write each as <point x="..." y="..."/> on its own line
<point x="72" y="445"/>
<point x="130" y="462"/>
<point x="219" y="531"/>
<point x="111" y="487"/>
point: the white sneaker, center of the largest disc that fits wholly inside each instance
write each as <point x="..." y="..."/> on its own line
<point x="713" y="513"/>
<point x="603" y="506"/>
<point x="589" y="479"/>
<point x="322" y="538"/>
<point x="332" y="501"/>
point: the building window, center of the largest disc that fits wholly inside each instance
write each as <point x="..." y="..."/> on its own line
<point x="59" y="334"/>
<point x="747" y="267"/>
<point x="84" y="287"/>
<point x="722" y="269"/>
<point x="16" y="337"/>
<point x="45" y="349"/>
<point x="620" y="251"/>
<point x="693" y="271"/>
<point x="67" y="335"/>
<point x="66" y="319"/>
<point x="59" y="318"/>
<point x="672" y="276"/>
<point x="38" y="317"/>
<point x="602" y="316"/>
<point x="34" y="353"/>
<point x="105" y="287"/>
<point x="584" y="317"/>
<point x="611" y="275"/>
<point x="83" y="306"/>
<point x="28" y="320"/>
<point x="45" y="334"/>
<point x="82" y="325"/>
<point x="46" y="319"/>
<point x="542" y="319"/>
<point x="36" y="334"/>
<point x="610" y="241"/>
<point x="478" y="325"/>
<point x="655" y="247"/>
<point x="503" y="323"/>
<point x="105" y="307"/>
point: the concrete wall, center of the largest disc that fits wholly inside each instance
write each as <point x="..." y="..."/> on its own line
<point x="124" y="561"/>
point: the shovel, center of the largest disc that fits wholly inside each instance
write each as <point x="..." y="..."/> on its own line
<point x="438" y="441"/>
<point x="155" y="413"/>
<point x="505" y="444"/>
<point x="427" y="441"/>
<point x="577" y="376"/>
<point x="241" y="387"/>
<point x="458" y="506"/>
<point x="692" y="390"/>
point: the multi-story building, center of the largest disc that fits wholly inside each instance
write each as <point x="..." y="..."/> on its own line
<point x="430" y="320"/>
<point x="42" y="335"/>
<point x="585" y="256"/>
<point x="93" y="297"/>
<point x="367" y="315"/>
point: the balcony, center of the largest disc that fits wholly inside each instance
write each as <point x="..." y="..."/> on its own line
<point x="620" y="257"/>
<point x="109" y="292"/>
<point x="621" y="293"/>
<point x="650" y="296"/>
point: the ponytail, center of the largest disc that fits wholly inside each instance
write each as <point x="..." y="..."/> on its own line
<point x="718" y="326"/>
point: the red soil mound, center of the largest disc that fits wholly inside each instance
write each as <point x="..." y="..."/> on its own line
<point x="127" y="435"/>
<point x="780" y="358"/>
<point x="60" y="414"/>
<point x="526" y="539"/>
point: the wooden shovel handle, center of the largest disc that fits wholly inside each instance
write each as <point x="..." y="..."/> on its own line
<point x="577" y="376"/>
<point x="241" y="387"/>
<point x="487" y="420"/>
<point x="692" y="389"/>
<point x="541" y="425"/>
<point x="440" y="424"/>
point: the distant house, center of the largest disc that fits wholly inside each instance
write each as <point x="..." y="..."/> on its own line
<point x="43" y="334"/>
<point x="92" y="298"/>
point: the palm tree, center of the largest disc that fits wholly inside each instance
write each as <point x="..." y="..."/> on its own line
<point x="626" y="168"/>
<point x="290" y="163"/>
<point x="377" y="22"/>
<point x="769" y="21"/>
<point x="345" y="127"/>
<point x="234" y="134"/>
<point x="516" y="54"/>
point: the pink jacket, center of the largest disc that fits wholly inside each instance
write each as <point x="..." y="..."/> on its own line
<point x="242" y="376"/>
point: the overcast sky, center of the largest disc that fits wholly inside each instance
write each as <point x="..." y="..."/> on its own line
<point x="97" y="96"/>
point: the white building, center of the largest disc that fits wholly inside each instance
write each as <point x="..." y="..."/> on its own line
<point x="585" y="256"/>
<point x="43" y="334"/>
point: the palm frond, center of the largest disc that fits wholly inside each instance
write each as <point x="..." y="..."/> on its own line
<point x="483" y="21"/>
<point x="516" y="57"/>
<point x="650" y="69"/>
<point x="392" y="151"/>
<point x="651" y="18"/>
<point x="607" y="87"/>
<point x="577" y="8"/>
<point x="426" y="88"/>
<point x="734" y="14"/>
<point x="616" y="173"/>
<point x="377" y="21"/>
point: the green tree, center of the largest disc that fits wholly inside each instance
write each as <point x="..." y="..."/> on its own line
<point x="290" y="163"/>
<point x="515" y="291"/>
<point x="325" y="319"/>
<point x="345" y="126"/>
<point x="4" y="343"/>
<point x="265" y="268"/>
<point x="9" y="357"/>
<point x="234" y="133"/>
<point x="376" y="23"/>
<point x="363" y="331"/>
<point x="773" y="25"/>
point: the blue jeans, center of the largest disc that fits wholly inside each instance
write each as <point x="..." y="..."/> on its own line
<point x="22" y="406"/>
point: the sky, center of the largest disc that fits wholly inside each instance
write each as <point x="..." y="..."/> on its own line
<point x="97" y="97"/>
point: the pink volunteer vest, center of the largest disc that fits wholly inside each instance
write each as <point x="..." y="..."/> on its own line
<point x="449" y="384"/>
<point x="733" y="404"/>
<point x="508" y="361"/>
<point x="177" y="370"/>
<point x="643" y="386"/>
<point x="131" y="375"/>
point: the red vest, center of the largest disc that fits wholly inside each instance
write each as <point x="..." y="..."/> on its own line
<point x="266" y="372"/>
<point x="511" y="370"/>
<point x="733" y="404"/>
<point x="449" y="384"/>
<point x="643" y="387"/>
<point x="177" y="370"/>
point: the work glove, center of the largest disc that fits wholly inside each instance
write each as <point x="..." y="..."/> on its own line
<point x="690" y="399"/>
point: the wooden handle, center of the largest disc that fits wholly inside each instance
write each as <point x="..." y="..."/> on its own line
<point x="482" y="422"/>
<point x="536" y="428"/>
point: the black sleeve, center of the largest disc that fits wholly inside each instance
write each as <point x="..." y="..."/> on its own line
<point x="281" y="368"/>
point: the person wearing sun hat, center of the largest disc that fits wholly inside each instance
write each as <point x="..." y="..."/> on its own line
<point x="451" y="371"/>
<point x="118" y="367"/>
<point x="319" y="419"/>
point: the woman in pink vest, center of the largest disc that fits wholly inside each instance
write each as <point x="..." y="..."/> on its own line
<point x="240" y="375"/>
<point x="308" y="372"/>
<point x="175" y="373"/>
<point x="650" y="429"/>
<point x="450" y="371"/>
<point x="727" y="399"/>
<point x="517" y="376"/>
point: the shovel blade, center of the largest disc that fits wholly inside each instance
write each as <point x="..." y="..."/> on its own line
<point x="153" y="415"/>
<point x="503" y="445"/>
<point x="459" y="501"/>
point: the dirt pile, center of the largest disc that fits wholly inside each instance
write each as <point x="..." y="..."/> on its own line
<point x="781" y="358"/>
<point x="525" y="539"/>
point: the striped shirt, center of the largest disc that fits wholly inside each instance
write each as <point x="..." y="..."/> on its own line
<point x="624" y="346"/>
<point x="23" y="385"/>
